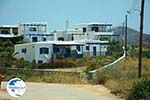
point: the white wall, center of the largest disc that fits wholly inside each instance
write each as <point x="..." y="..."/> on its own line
<point x="43" y="57"/>
<point x="58" y="34"/>
<point x="40" y="29"/>
<point x="33" y="52"/>
<point x="29" y="55"/>
<point x="49" y="37"/>
<point x="100" y="49"/>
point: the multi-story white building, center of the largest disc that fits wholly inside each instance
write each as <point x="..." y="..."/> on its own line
<point x="90" y="39"/>
<point x="35" y="32"/>
<point x="8" y="32"/>
<point x="96" y="31"/>
<point x="86" y="31"/>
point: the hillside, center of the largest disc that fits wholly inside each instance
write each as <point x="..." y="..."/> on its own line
<point x="133" y="35"/>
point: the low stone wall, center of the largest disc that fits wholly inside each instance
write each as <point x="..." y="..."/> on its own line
<point x="92" y="74"/>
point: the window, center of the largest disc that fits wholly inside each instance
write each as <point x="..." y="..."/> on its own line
<point x="72" y="38"/>
<point x="44" y="50"/>
<point x="95" y="29"/>
<point x="33" y="29"/>
<point x="44" y="39"/>
<point x="92" y="28"/>
<point x="40" y="61"/>
<point x="78" y="48"/>
<point x="87" y="48"/>
<point x="4" y="32"/>
<point x="24" y="50"/>
<point x="60" y="39"/>
<point x="34" y="39"/>
<point x="84" y="29"/>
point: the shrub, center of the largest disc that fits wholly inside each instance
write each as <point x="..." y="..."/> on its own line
<point x="146" y="54"/>
<point x="91" y="67"/>
<point x="57" y="64"/>
<point x="140" y="90"/>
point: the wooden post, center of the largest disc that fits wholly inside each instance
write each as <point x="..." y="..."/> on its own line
<point x="141" y="39"/>
<point x="126" y="32"/>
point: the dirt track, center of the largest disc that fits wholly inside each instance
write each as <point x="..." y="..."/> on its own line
<point x="44" y="91"/>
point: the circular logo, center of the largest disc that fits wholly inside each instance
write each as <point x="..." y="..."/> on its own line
<point x="16" y="87"/>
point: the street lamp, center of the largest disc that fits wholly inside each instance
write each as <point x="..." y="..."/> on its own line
<point x="126" y="28"/>
<point x="133" y="10"/>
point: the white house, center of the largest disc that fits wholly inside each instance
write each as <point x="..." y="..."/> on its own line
<point x="8" y="32"/>
<point x="96" y="31"/>
<point x="45" y="51"/>
<point x="35" y="32"/>
<point x="95" y="47"/>
<point x="85" y="31"/>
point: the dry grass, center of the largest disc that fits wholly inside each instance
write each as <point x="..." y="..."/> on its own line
<point x="121" y="78"/>
<point x="119" y="87"/>
<point x="56" y="77"/>
<point x="130" y="67"/>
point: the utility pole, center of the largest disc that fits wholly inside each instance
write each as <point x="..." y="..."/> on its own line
<point x="126" y="32"/>
<point x="123" y="41"/>
<point x="141" y="39"/>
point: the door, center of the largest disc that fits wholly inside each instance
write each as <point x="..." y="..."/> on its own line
<point x="34" y="39"/>
<point x="68" y="52"/>
<point x="94" y="51"/>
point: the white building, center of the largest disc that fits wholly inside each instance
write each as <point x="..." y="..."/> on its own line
<point x="85" y="31"/>
<point x="35" y="32"/>
<point x="95" y="47"/>
<point x="8" y="31"/>
<point x="45" y="51"/>
<point x="84" y="40"/>
<point x="96" y="31"/>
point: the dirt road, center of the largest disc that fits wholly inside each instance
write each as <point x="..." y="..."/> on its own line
<point x="45" y="91"/>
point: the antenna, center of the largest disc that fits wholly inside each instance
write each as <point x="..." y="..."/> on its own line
<point x="67" y="25"/>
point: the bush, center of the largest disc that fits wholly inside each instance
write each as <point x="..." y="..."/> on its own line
<point x="146" y="54"/>
<point x="140" y="91"/>
<point x="57" y="64"/>
<point x="91" y="67"/>
<point x="115" y="50"/>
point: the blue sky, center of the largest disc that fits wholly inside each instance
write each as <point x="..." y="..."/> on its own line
<point x="56" y="12"/>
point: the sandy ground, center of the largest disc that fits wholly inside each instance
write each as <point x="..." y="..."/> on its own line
<point x="45" y="91"/>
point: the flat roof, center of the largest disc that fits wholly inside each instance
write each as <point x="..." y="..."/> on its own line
<point x="92" y="23"/>
<point x="68" y="43"/>
<point x="103" y="33"/>
<point x="68" y="31"/>
<point x="54" y="42"/>
<point x="93" y="41"/>
<point x="63" y="43"/>
<point x="9" y="26"/>
<point x="29" y="23"/>
<point x="7" y="35"/>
